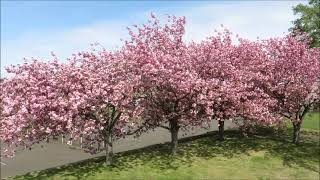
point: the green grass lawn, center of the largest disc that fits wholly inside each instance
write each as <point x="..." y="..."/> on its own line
<point x="238" y="157"/>
<point x="312" y="121"/>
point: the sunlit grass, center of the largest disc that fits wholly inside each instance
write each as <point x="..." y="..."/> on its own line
<point x="254" y="157"/>
<point x="312" y="121"/>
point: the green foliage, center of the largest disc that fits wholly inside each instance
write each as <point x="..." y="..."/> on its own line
<point x="309" y="21"/>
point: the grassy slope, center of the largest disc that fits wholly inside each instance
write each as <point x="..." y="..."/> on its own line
<point x="255" y="157"/>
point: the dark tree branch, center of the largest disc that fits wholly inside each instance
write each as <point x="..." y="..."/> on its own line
<point x="140" y="128"/>
<point x="165" y="127"/>
<point x="306" y="109"/>
<point x="286" y="115"/>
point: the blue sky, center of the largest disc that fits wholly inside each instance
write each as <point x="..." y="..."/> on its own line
<point x="34" y="28"/>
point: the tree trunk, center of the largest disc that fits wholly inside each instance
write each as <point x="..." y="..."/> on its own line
<point x="81" y="142"/>
<point x="174" y="129"/>
<point x="108" y="148"/>
<point x="296" y="132"/>
<point x="221" y="130"/>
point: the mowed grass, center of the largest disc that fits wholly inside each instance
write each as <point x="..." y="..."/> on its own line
<point x="270" y="156"/>
<point x="311" y="121"/>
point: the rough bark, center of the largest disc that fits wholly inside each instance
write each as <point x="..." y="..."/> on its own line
<point x="108" y="148"/>
<point x="174" y="129"/>
<point x="221" y="130"/>
<point x="296" y="132"/>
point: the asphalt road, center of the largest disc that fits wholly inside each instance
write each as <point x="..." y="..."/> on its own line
<point x="55" y="153"/>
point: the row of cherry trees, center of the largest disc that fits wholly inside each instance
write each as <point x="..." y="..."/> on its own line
<point x="158" y="80"/>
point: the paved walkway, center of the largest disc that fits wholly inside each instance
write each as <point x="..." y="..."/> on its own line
<point x="57" y="154"/>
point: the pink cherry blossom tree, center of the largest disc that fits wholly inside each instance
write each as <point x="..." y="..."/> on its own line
<point x="291" y="75"/>
<point x="169" y="85"/>
<point x="257" y="106"/>
<point x="27" y="99"/>
<point x="284" y="72"/>
<point x="211" y="59"/>
<point x="101" y="90"/>
<point x="223" y="64"/>
<point x="89" y="97"/>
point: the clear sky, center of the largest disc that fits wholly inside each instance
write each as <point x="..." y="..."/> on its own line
<point x="36" y="28"/>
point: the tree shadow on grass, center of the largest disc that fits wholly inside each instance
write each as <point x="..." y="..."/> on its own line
<point x="305" y="155"/>
<point x="77" y="170"/>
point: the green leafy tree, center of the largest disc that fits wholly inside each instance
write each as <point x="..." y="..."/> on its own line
<point x="308" y="21"/>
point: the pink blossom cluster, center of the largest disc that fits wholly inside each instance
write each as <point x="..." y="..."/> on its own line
<point x="154" y="80"/>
